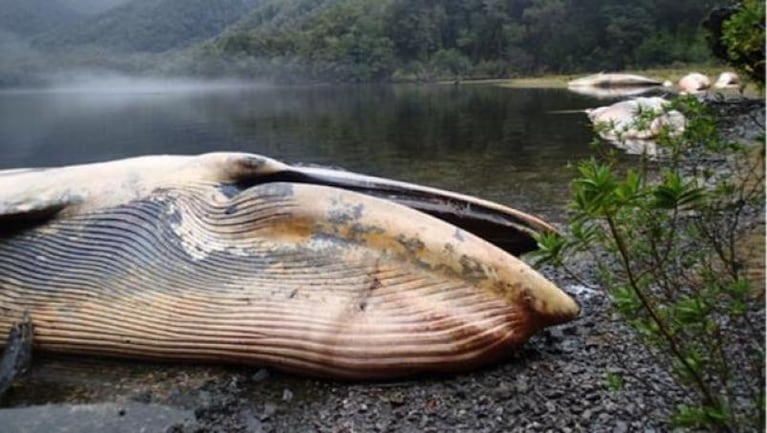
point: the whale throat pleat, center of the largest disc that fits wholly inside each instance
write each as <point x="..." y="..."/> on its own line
<point x="190" y="273"/>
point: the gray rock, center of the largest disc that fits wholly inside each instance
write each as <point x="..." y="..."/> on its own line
<point x="521" y="385"/>
<point x="503" y="391"/>
<point x="287" y="395"/>
<point x="269" y="410"/>
<point x="251" y="423"/>
<point x="621" y="427"/>
<point x="261" y="374"/>
<point x="93" y="418"/>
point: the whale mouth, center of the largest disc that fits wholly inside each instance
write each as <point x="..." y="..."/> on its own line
<point x="30" y="197"/>
<point x="511" y="230"/>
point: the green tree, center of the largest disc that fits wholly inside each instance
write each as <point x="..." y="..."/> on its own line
<point x="627" y="27"/>
<point x="743" y="34"/>
<point x="736" y="35"/>
<point x="451" y="61"/>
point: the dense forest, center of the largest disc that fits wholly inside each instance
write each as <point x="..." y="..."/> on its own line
<point x="349" y="40"/>
<point x="362" y="40"/>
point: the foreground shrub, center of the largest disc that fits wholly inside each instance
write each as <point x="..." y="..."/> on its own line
<point x="666" y="237"/>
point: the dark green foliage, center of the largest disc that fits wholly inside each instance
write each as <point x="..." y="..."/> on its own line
<point x="304" y="39"/>
<point x="736" y="35"/>
<point x="665" y="48"/>
<point x="424" y="39"/>
<point x="360" y="40"/>
<point x="665" y="237"/>
<point x="743" y="34"/>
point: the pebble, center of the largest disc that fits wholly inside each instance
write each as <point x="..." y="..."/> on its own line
<point x="396" y="399"/>
<point x="521" y="385"/>
<point x="287" y="395"/>
<point x="269" y="410"/>
<point x="503" y="391"/>
<point x="621" y="427"/>
<point x="261" y="374"/>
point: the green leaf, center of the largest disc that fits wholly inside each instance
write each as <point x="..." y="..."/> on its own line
<point x="689" y="416"/>
<point x="676" y="193"/>
<point x="550" y="248"/>
<point x="626" y="300"/>
<point x="614" y="381"/>
<point x="690" y="310"/>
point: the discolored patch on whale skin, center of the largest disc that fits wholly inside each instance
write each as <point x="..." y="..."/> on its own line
<point x="411" y="244"/>
<point x="472" y="270"/>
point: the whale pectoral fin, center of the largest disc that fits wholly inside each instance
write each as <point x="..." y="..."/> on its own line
<point x="19" y="213"/>
<point x="17" y="354"/>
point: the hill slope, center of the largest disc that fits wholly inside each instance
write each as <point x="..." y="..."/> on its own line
<point x="92" y="7"/>
<point x="29" y="17"/>
<point x="363" y="40"/>
<point x="150" y="25"/>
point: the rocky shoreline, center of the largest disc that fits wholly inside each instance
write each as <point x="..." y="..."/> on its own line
<point x="590" y="375"/>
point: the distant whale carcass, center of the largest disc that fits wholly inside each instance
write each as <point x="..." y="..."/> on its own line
<point x="238" y="258"/>
<point x="727" y="80"/>
<point x="613" y="80"/>
<point x="694" y="82"/>
<point x="634" y="124"/>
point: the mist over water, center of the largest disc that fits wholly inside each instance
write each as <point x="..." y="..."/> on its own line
<point x="113" y="83"/>
<point x="502" y="144"/>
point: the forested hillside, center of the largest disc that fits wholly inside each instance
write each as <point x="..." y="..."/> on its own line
<point x="28" y="17"/>
<point x="348" y="40"/>
<point x="360" y="40"/>
<point x="150" y="25"/>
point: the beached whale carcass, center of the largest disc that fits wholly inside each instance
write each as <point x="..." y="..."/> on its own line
<point x="238" y="258"/>
<point x="634" y="124"/>
<point x="611" y="85"/>
<point x="613" y="80"/>
<point x="694" y="82"/>
<point x="727" y="80"/>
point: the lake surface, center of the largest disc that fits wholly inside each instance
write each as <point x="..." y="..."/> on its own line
<point x="504" y="144"/>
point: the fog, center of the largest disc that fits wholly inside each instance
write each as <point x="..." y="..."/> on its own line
<point x="92" y="7"/>
<point x="100" y="82"/>
<point x="14" y="49"/>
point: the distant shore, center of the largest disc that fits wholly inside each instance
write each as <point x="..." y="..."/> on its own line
<point x="672" y="74"/>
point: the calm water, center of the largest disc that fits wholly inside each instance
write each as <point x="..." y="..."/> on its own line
<point x="499" y="143"/>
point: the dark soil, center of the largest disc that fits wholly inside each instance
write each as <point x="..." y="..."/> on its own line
<point x="591" y="375"/>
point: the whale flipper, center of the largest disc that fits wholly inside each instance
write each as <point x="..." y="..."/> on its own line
<point x="17" y="355"/>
